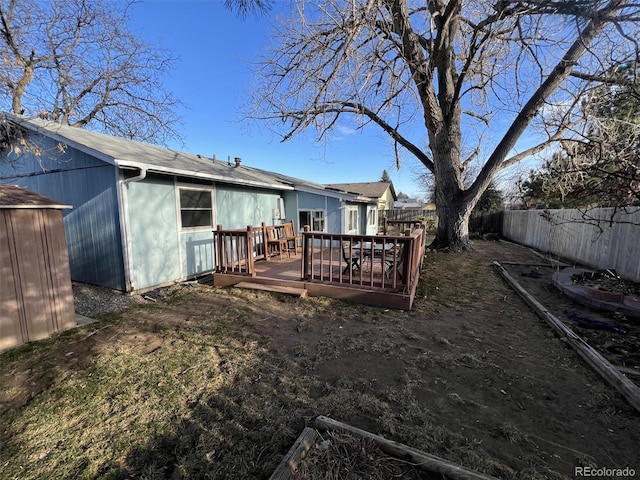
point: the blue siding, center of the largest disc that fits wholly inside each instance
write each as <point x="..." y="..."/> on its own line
<point x="291" y="208"/>
<point x="92" y="227"/>
<point x="237" y="207"/>
<point x="334" y="216"/>
<point x="297" y="201"/>
<point x="197" y="252"/>
<point x="155" y="251"/>
<point x="311" y="201"/>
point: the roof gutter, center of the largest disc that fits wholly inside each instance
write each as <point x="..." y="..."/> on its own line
<point x="141" y="176"/>
<point x="208" y="176"/>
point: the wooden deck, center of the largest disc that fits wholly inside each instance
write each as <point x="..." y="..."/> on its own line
<point x="321" y="270"/>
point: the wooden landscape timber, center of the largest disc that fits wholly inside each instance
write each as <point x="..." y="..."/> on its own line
<point x="422" y="460"/>
<point x="611" y="374"/>
<point x="295" y="455"/>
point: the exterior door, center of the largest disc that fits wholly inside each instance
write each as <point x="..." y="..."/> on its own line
<point x="372" y="220"/>
<point x="351" y="220"/>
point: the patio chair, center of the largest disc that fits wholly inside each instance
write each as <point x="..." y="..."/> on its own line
<point x="276" y="243"/>
<point x="350" y="256"/>
<point x="293" y="240"/>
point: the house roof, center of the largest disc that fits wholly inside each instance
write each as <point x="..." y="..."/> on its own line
<point x="125" y="153"/>
<point x="368" y="189"/>
<point x="411" y="203"/>
<point x="14" y="197"/>
<point x="131" y="154"/>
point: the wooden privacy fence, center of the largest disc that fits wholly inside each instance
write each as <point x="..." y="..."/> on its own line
<point x="487" y="222"/>
<point x="603" y="238"/>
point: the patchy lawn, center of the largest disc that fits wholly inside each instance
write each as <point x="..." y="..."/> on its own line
<point x="218" y="383"/>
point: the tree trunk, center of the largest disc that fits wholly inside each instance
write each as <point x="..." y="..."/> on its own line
<point x="453" y="205"/>
<point x="453" y="226"/>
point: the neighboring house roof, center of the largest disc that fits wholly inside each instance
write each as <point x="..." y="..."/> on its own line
<point x="125" y="153"/>
<point x="408" y="203"/>
<point x="368" y="189"/>
<point x="12" y="196"/>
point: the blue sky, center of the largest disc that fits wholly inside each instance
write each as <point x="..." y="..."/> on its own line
<point x="212" y="76"/>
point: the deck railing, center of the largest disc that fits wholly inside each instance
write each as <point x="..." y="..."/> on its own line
<point x="393" y="266"/>
<point x="399" y="227"/>
<point x="236" y="250"/>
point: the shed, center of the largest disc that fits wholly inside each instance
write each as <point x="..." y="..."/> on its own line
<point x="36" y="298"/>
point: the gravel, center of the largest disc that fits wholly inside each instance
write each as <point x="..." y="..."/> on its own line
<point x="90" y="300"/>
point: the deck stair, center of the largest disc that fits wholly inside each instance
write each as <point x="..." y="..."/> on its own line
<point x="298" y="292"/>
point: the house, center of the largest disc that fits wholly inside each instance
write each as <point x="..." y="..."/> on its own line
<point x="143" y="215"/>
<point x="382" y="192"/>
<point x="36" y="299"/>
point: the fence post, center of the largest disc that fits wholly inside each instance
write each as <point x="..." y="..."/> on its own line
<point x="305" y="251"/>
<point x="265" y="245"/>
<point x="249" y="243"/>
<point x="218" y="246"/>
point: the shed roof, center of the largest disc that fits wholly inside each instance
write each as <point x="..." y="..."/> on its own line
<point x="14" y="197"/>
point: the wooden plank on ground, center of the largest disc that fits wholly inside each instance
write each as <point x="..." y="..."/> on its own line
<point x="294" y="456"/>
<point x="422" y="459"/>
<point x="298" y="292"/>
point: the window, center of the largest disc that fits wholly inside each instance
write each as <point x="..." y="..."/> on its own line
<point x="353" y="220"/>
<point x="195" y="208"/>
<point x="313" y="218"/>
<point x="373" y="217"/>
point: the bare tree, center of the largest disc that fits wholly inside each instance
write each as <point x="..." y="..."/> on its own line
<point x="469" y="76"/>
<point x="76" y="63"/>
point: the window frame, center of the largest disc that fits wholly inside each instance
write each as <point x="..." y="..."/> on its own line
<point x="203" y="189"/>
<point x="315" y="216"/>
<point x="373" y="217"/>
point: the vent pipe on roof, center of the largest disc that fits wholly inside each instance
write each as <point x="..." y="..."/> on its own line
<point x="238" y="161"/>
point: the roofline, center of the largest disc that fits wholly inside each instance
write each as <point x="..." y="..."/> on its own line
<point x="55" y="136"/>
<point x="188" y="173"/>
<point x="331" y="186"/>
<point x="351" y="196"/>
<point x="342" y="195"/>
<point x="124" y="163"/>
<point x="22" y="206"/>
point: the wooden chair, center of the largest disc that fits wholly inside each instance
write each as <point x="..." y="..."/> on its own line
<point x="276" y="244"/>
<point x="293" y="240"/>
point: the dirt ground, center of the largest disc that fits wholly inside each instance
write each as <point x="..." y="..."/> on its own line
<point x="470" y="374"/>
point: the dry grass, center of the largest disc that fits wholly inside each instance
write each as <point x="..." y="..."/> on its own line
<point x="200" y="395"/>
<point x="339" y="456"/>
<point x="218" y="384"/>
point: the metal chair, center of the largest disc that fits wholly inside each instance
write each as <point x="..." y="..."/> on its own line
<point x="350" y="256"/>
